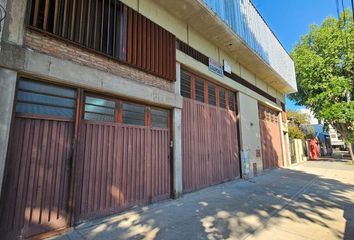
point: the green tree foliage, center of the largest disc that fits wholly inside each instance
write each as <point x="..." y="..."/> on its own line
<point x="324" y="62"/>
<point x="296" y="119"/>
<point x="295" y="132"/>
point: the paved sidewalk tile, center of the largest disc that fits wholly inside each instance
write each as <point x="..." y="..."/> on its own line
<point x="313" y="200"/>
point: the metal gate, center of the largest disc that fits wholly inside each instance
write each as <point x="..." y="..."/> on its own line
<point x="121" y="163"/>
<point x="36" y="185"/>
<point x="270" y="138"/>
<point x="209" y="144"/>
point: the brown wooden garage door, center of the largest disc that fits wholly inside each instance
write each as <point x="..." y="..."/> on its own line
<point x="209" y="134"/>
<point x="124" y="157"/>
<point x="36" y="184"/>
<point x="270" y="138"/>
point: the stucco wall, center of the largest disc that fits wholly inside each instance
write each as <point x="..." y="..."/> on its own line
<point x="250" y="130"/>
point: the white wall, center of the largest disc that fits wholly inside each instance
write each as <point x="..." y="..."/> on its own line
<point x="250" y="130"/>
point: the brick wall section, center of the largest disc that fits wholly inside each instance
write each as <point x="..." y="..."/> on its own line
<point x="57" y="48"/>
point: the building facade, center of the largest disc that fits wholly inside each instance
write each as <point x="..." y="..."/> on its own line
<point x="109" y="104"/>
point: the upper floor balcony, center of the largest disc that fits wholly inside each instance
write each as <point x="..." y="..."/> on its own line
<point x="236" y="27"/>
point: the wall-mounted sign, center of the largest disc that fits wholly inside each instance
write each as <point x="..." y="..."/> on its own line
<point x="278" y="102"/>
<point x="215" y="67"/>
<point x="227" y="67"/>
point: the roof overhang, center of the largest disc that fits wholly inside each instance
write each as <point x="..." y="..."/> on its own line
<point x="200" y="17"/>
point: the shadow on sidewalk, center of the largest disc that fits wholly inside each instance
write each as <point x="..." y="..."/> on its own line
<point x="237" y="209"/>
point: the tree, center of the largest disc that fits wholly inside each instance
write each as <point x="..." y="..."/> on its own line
<point x="296" y="119"/>
<point x="324" y="62"/>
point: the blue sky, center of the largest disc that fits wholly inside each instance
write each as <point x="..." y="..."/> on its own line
<point x="290" y="19"/>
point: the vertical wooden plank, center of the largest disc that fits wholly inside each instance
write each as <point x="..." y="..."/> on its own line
<point x="88" y="24"/>
<point x="164" y="53"/>
<point x="108" y="27"/>
<point x="153" y="44"/>
<point x="95" y="40"/>
<point x="130" y="37"/>
<point x="64" y="27"/>
<point x="73" y="16"/>
<point x="46" y="14"/>
<point x="55" y="23"/>
<point x="104" y="167"/>
<point x="81" y="22"/>
<point x="139" y="40"/>
<point x="124" y="34"/>
<point x="148" y="45"/>
<point x="35" y="13"/>
<point x="144" y="41"/>
<point x="135" y="38"/>
<point x="116" y="28"/>
<point x="102" y="25"/>
<point x="160" y="55"/>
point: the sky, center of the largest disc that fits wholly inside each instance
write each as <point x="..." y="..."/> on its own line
<point x="290" y="19"/>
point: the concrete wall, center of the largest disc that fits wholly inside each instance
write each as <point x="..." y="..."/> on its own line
<point x="7" y="94"/>
<point x="67" y="72"/>
<point x="14" y="26"/>
<point x="298" y="150"/>
<point x="3" y="3"/>
<point x="250" y="131"/>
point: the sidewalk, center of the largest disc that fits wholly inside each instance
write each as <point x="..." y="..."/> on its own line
<point x="314" y="200"/>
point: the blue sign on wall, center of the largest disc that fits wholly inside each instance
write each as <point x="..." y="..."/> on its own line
<point x="216" y="67"/>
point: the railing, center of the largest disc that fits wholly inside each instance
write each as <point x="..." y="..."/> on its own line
<point x="243" y="18"/>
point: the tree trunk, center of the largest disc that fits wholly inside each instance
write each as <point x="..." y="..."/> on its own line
<point x="351" y="151"/>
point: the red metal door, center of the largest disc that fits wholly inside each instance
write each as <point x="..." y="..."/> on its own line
<point x="36" y="185"/>
<point x="120" y="166"/>
<point x="270" y="138"/>
<point x="209" y="145"/>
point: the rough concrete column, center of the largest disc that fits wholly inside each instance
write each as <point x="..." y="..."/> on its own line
<point x="3" y="4"/>
<point x="177" y="139"/>
<point x="282" y="138"/>
<point x="178" y="79"/>
<point x="14" y="26"/>
<point x="7" y="93"/>
<point x="250" y="135"/>
<point x="177" y="152"/>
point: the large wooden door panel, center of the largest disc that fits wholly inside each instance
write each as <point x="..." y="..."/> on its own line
<point x="270" y="138"/>
<point x="120" y="166"/>
<point x="209" y="145"/>
<point x="35" y="194"/>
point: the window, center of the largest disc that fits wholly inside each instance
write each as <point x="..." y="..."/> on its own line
<point x="199" y="90"/>
<point x="211" y="94"/>
<point x="133" y="114"/>
<point x="231" y="101"/>
<point x="99" y="109"/>
<point x="45" y="99"/>
<point x="159" y="118"/>
<point x="204" y="91"/>
<point x="222" y="98"/>
<point x="185" y="85"/>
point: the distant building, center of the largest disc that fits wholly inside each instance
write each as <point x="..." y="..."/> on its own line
<point x="336" y="142"/>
